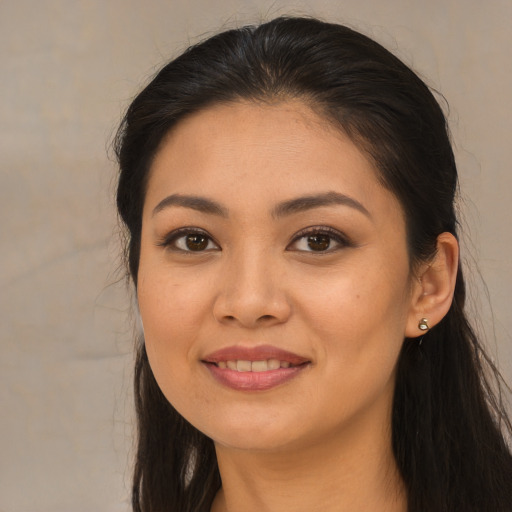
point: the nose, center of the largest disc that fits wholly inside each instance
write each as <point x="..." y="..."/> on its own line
<point x="252" y="293"/>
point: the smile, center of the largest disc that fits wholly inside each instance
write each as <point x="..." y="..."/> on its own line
<point x="242" y="365"/>
<point x="255" y="368"/>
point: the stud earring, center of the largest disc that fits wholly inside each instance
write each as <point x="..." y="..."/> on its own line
<point x="423" y="325"/>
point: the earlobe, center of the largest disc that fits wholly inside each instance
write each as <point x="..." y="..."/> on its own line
<point x="432" y="294"/>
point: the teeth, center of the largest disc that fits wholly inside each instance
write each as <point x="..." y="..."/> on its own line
<point x="254" y="366"/>
<point x="259" y="366"/>
<point x="243" y="366"/>
<point x="274" y="364"/>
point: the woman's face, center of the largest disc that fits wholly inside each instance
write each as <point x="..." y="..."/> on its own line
<point x="274" y="282"/>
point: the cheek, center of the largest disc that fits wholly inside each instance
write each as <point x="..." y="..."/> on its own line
<point x="171" y="305"/>
<point x="172" y="313"/>
<point x="357" y="315"/>
<point x="355" y="294"/>
<point x="356" y="323"/>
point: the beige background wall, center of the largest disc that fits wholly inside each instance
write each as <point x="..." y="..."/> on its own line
<point x="68" y="69"/>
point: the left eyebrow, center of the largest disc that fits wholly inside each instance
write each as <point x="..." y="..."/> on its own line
<point x="305" y="203"/>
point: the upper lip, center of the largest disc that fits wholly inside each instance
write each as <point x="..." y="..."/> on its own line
<point x="259" y="353"/>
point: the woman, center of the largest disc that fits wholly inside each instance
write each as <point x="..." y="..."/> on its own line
<point x="288" y="192"/>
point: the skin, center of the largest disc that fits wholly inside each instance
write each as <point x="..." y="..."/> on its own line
<point x="320" y="441"/>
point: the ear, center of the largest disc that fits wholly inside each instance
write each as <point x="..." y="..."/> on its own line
<point x="432" y="291"/>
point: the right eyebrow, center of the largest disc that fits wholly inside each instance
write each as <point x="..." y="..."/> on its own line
<point x="201" y="204"/>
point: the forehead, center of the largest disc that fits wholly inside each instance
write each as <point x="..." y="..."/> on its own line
<point x="273" y="129"/>
<point x="244" y="151"/>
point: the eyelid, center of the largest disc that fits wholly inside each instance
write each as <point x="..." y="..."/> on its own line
<point x="340" y="238"/>
<point x="176" y="234"/>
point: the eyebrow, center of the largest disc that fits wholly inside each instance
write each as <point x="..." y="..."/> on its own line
<point x="201" y="204"/>
<point x="305" y="203"/>
<point x="299" y="204"/>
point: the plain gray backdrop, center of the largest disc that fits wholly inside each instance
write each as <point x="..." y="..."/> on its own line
<point x="68" y="69"/>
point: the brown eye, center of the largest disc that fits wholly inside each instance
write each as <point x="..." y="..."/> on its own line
<point x="319" y="239"/>
<point x="319" y="242"/>
<point x="196" y="242"/>
<point x="189" y="240"/>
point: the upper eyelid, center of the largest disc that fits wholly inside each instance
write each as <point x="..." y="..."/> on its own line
<point x="339" y="238"/>
<point x="327" y="230"/>
<point x="175" y="234"/>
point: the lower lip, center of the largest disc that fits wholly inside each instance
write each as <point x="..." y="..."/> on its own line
<point x="253" y="381"/>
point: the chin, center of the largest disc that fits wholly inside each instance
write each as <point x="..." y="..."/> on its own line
<point x="251" y="433"/>
<point x="255" y="441"/>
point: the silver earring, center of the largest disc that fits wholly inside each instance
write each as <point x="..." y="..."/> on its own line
<point x="423" y="325"/>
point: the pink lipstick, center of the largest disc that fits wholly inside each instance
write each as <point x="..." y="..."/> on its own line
<point x="254" y="369"/>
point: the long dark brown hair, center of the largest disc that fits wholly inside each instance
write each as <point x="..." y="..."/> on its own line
<point x="449" y="427"/>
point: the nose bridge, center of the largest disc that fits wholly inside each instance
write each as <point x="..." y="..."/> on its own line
<point x="251" y="291"/>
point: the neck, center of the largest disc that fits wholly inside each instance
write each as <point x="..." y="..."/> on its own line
<point x="352" y="472"/>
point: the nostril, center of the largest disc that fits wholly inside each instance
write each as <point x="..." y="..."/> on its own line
<point x="249" y="312"/>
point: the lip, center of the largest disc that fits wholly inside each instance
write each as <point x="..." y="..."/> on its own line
<point x="254" y="381"/>
<point x="259" y="353"/>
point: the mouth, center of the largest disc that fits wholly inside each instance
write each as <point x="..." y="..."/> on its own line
<point x="254" y="369"/>
<point x="242" y="365"/>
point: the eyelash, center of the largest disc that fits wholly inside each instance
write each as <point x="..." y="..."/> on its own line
<point x="175" y="235"/>
<point x="334" y="235"/>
